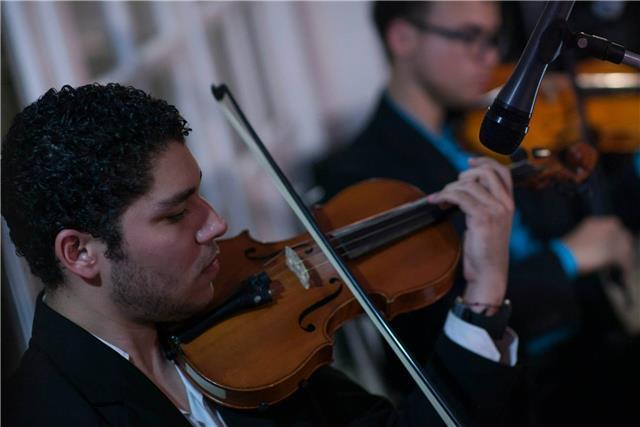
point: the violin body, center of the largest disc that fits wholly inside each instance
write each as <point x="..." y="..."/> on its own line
<point x="261" y="356"/>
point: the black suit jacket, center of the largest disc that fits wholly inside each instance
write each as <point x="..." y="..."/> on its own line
<point x="67" y="377"/>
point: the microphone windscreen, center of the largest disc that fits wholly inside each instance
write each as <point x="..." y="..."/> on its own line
<point x="503" y="128"/>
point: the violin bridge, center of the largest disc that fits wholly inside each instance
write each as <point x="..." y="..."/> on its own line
<point x="297" y="267"/>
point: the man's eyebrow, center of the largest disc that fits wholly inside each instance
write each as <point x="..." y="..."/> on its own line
<point x="472" y="28"/>
<point x="178" y="198"/>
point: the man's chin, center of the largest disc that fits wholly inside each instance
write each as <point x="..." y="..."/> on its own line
<point x="183" y="314"/>
<point x="187" y="311"/>
<point x="204" y="302"/>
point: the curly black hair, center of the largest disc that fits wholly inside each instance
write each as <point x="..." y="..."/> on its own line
<point x="77" y="158"/>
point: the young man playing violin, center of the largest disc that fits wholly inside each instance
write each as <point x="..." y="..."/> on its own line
<point x="441" y="56"/>
<point x="100" y="193"/>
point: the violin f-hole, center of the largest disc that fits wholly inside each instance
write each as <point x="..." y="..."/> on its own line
<point x="313" y="307"/>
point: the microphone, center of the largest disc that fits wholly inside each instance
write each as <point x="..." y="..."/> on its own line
<point x="507" y="121"/>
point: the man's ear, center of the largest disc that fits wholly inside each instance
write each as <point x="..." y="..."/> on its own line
<point x="79" y="253"/>
<point x="401" y="38"/>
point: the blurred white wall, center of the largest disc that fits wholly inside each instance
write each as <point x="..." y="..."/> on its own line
<point x="306" y="73"/>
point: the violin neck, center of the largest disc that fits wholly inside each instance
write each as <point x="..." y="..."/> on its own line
<point x="371" y="233"/>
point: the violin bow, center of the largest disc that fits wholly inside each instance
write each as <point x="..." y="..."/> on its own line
<point x="248" y="135"/>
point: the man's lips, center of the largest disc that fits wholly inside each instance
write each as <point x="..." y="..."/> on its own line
<point x="214" y="264"/>
<point x="212" y="267"/>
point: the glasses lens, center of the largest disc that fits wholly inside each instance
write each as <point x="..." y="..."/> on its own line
<point x="482" y="44"/>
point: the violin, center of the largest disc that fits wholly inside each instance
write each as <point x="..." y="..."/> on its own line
<point x="288" y="300"/>
<point x="612" y="104"/>
<point x="611" y="94"/>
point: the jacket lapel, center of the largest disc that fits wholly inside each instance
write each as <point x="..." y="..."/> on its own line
<point x="113" y="386"/>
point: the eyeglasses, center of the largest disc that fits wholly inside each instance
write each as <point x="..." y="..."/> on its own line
<point x="477" y="41"/>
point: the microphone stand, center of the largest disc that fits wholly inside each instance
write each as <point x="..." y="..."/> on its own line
<point x="251" y="139"/>
<point x="601" y="48"/>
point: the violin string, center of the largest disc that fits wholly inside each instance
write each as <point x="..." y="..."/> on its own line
<point x="279" y="268"/>
<point x="275" y="270"/>
<point x="284" y="275"/>
<point x="513" y="167"/>
<point x="347" y="242"/>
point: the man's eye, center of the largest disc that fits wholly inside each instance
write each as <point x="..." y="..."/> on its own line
<point x="470" y="36"/>
<point x="177" y="217"/>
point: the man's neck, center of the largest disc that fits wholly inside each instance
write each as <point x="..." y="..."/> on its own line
<point x="90" y="312"/>
<point x="139" y="340"/>
<point x="415" y="100"/>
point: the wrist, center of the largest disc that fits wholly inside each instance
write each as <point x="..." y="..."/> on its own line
<point x="493" y="318"/>
<point x="490" y="294"/>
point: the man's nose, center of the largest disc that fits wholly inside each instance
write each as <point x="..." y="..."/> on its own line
<point x="213" y="226"/>
<point x="490" y="56"/>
